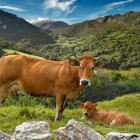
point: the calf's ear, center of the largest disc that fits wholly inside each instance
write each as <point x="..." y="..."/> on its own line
<point x="94" y="105"/>
<point x="99" y="64"/>
<point x="80" y="105"/>
<point x="74" y="62"/>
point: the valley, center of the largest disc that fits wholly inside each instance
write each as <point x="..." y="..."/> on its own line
<point x="116" y="86"/>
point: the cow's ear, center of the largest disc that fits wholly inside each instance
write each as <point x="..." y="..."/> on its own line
<point x="94" y="105"/>
<point x="74" y="62"/>
<point x="99" y="64"/>
<point x="80" y="105"/>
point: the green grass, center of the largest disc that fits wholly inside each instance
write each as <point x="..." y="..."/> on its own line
<point x="13" y="116"/>
<point x="66" y="42"/>
<point x="13" y="51"/>
<point x="137" y="70"/>
<point x="128" y="104"/>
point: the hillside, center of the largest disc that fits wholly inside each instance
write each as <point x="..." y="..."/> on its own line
<point x="13" y="28"/>
<point x="7" y="51"/>
<point x="117" y="44"/>
<point x="48" y="23"/>
<point x="115" y="38"/>
<point x="15" y="115"/>
<point x="129" y="19"/>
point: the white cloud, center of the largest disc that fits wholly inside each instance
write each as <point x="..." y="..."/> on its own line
<point x="59" y="7"/>
<point x="11" y="8"/>
<point x="107" y="8"/>
<point x="118" y="3"/>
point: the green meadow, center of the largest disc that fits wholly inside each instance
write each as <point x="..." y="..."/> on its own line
<point x="127" y="104"/>
<point x="20" y="53"/>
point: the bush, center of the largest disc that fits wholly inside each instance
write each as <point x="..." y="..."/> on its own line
<point x="115" y="76"/>
<point x="23" y="100"/>
<point x="24" y="111"/>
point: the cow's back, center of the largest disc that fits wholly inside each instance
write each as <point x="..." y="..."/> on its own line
<point x="45" y="75"/>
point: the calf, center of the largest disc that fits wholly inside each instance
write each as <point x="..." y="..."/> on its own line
<point x="106" y="116"/>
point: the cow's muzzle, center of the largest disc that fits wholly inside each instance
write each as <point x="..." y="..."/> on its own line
<point x="86" y="114"/>
<point x="84" y="82"/>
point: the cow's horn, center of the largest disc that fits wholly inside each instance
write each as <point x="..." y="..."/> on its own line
<point x="78" y="57"/>
<point x="96" y="58"/>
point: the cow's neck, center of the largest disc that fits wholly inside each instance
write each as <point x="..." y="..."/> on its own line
<point x="94" y="113"/>
<point x="101" y="113"/>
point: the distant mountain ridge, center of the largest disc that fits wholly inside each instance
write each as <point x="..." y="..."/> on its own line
<point x="129" y="19"/>
<point x="47" y="23"/>
<point x="13" y="28"/>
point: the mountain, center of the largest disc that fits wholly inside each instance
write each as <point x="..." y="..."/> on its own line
<point x="129" y="19"/>
<point x="13" y="28"/>
<point x="115" y="38"/>
<point x="48" y="23"/>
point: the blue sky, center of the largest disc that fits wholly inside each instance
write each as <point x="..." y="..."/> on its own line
<point x="70" y="11"/>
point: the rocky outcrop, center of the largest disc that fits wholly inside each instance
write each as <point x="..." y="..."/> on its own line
<point x="122" y="136"/>
<point x="4" y="136"/>
<point x="32" y="131"/>
<point x="75" y="130"/>
<point x="128" y="19"/>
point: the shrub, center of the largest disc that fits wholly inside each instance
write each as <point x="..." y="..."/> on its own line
<point x="24" y="111"/>
<point x="115" y="76"/>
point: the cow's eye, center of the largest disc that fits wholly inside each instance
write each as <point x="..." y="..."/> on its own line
<point x="80" y="67"/>
<point x="92" y="68"/>
<point x="90" y="108"/>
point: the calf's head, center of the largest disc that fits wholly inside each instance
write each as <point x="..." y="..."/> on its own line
<point x="89" y="107"/>
<point x="86" y="68"/>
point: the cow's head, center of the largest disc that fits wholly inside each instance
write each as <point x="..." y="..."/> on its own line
<point x="86" y="68"/>
<point x="89" y="107"/>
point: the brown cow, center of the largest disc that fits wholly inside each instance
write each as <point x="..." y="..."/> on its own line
<point x="106" y="116"/>
<point x="45" y="78"/>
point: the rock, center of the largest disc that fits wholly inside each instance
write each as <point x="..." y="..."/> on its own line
<point x="90" y="123"/>
<point x="75" y="130"/>
<point x="37" y="130"/>
<point x="4" y="136"/>
<point x="122" y="136"/>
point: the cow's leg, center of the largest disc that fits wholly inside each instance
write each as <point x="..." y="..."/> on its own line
<point x="64" y="104"/>
<point x="3" y="93"/>
<point x="60" y="99"/>
<point x="115" y="122"/>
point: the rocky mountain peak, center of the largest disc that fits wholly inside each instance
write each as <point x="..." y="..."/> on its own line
<point x="38" y="20"/>
<point x="47" y="23"/>
<point x="128" y="19"/>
